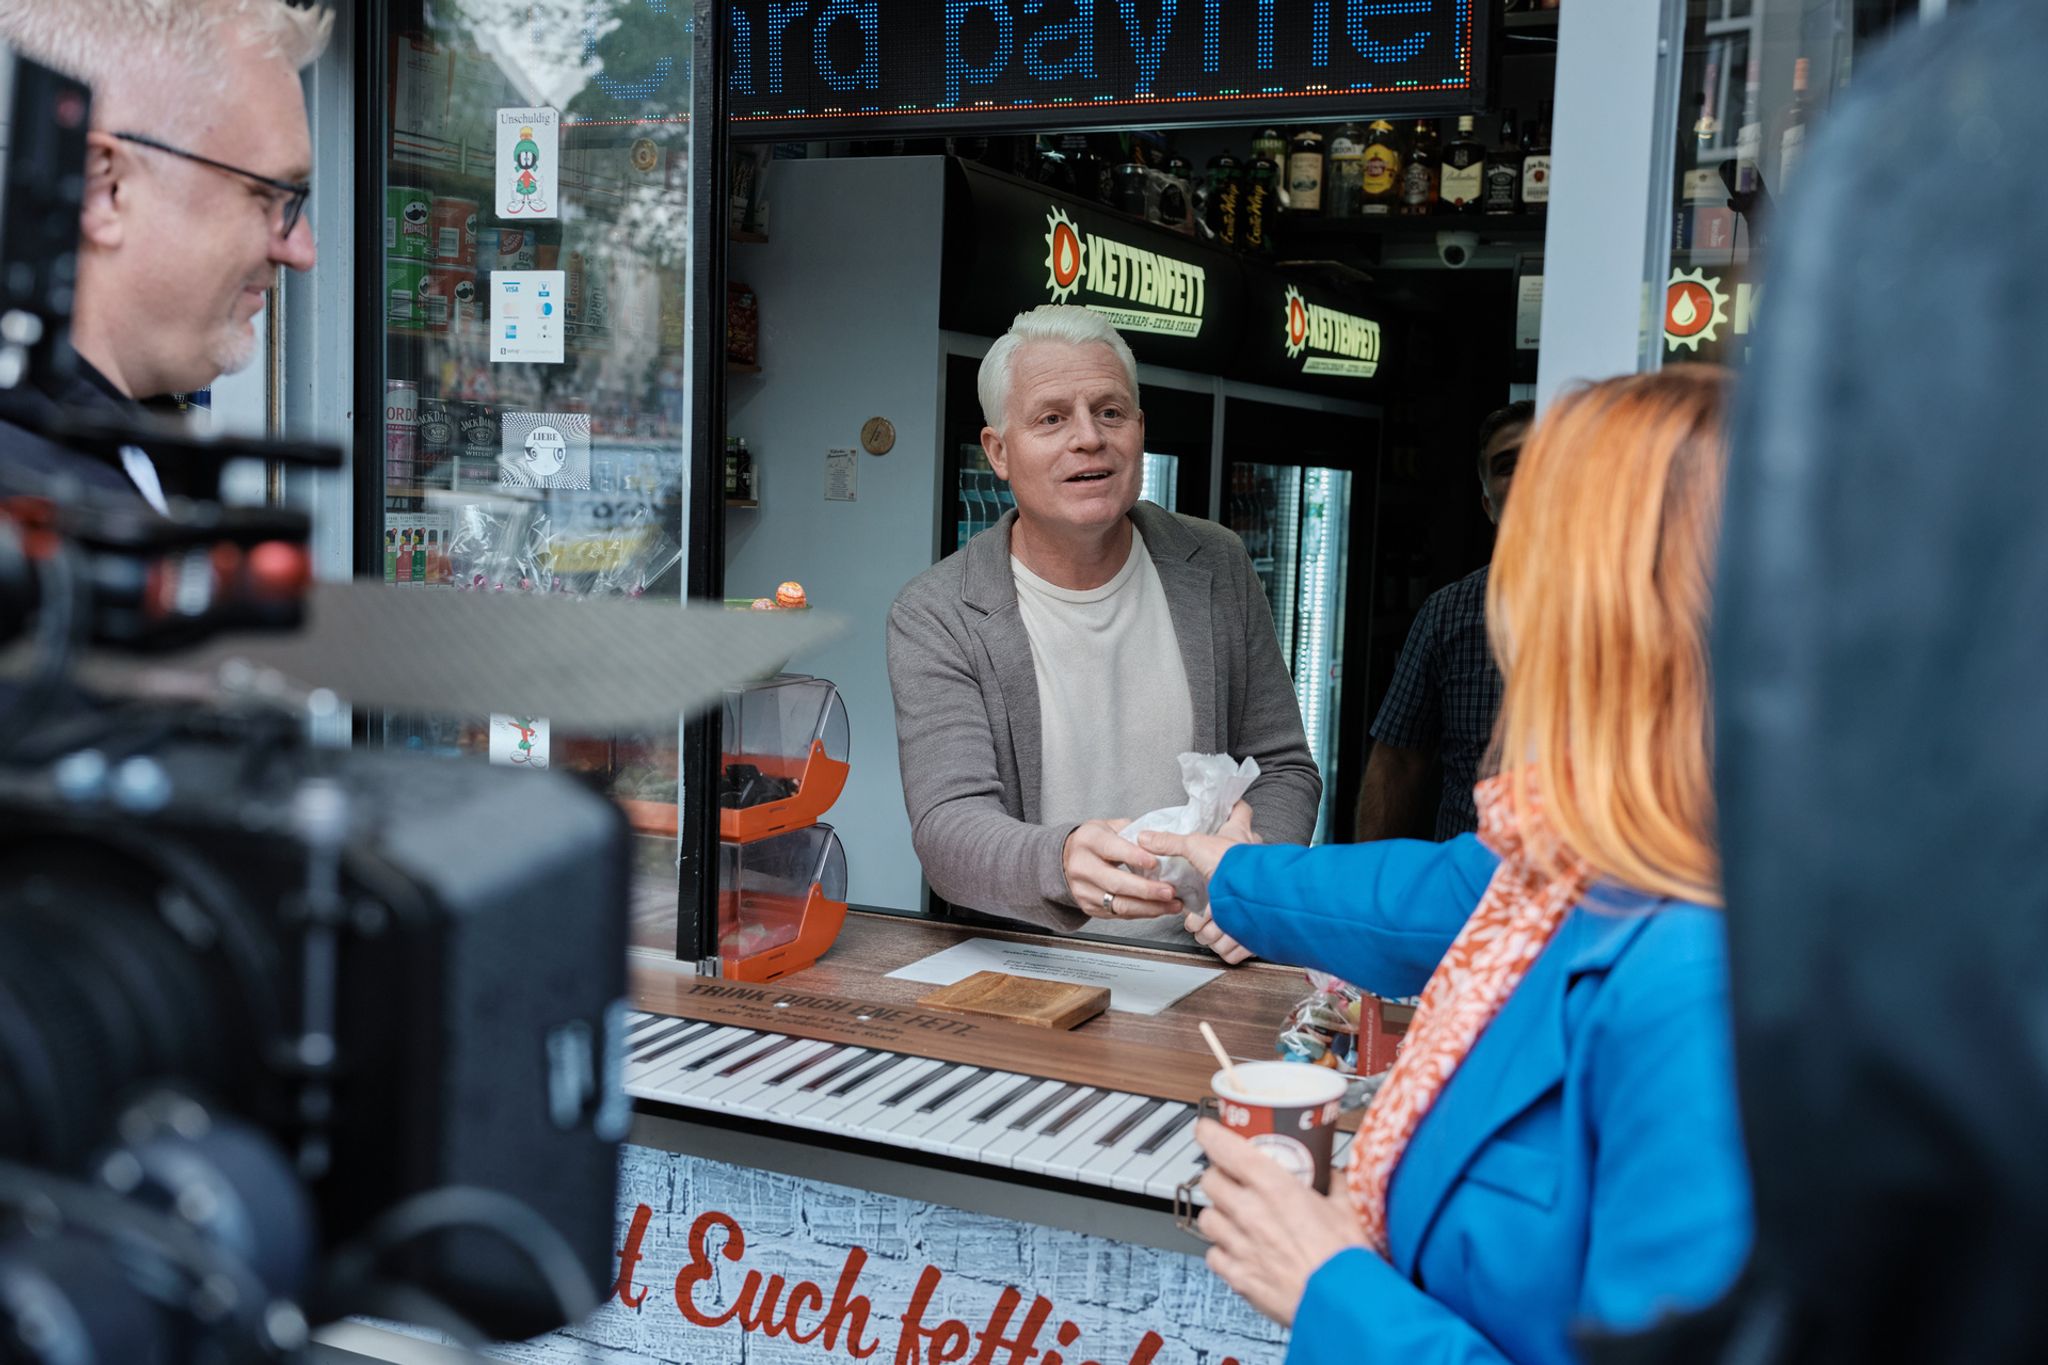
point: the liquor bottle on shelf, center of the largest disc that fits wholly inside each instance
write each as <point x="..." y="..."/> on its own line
<point x="1749" y="137"/>
<point x="1536" y="166"/>
<point x="1463" y="181"/>
<point x="1346" y="172"/>
<point x="1221" y="202"/>
<point x="750" y="488"/>
<point x="1419" y="185"/>
<point x="732" y="466"/>
<point x="1792" y="142"/>
<point x="1381" y="188"/>
<point x="1504" y="170"/>
<point x="1305" y="173"/>
<point x="1261" y="201"/>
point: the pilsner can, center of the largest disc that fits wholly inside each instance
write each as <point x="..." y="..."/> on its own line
<point x="401" y="432"/>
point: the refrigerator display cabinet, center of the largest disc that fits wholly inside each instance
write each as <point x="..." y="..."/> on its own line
<point x="531" y="332"/>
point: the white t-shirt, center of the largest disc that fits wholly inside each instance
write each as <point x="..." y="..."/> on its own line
<point x="1114" y="715"/>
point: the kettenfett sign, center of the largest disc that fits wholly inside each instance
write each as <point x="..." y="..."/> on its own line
<point x="1330" y="342"/>
<point x="1136" y="289"/>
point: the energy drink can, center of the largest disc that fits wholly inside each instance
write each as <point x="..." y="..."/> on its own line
<point x="401" y="433"/>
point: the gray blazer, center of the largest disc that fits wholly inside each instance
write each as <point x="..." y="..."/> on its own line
<point x="967" y="722"/>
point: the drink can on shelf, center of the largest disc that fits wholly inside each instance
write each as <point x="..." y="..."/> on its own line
<point x="408" y="220"/>
<point x="508" y="249"/>
<point x="453" y="228"/>
<point x="438" y="441"/>
<point x="401" y="432"/>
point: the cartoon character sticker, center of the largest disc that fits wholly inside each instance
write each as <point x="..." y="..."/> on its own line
<point x="519" y="741"/>
<point x="529" y="163"/>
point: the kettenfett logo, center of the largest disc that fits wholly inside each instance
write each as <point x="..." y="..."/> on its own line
<point x="1062" y="256"/>
<point x="1695" y="310"/>
<point x="1338" y="343"/>
<point x="1136" y="289"/>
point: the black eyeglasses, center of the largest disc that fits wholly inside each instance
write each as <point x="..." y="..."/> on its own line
<point x="295" y="195"/>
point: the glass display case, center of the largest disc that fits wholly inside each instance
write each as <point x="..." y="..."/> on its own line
<point x="781" y="902"/>
<point x="1757" y="77"/>
<point x="785" y="756"/>
<point x="526" y="233"/>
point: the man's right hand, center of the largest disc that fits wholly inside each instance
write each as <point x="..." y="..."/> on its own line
<point x="1102" y="888"/>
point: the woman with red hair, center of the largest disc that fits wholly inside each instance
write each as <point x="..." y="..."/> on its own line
<point x="1557" y="1147"/>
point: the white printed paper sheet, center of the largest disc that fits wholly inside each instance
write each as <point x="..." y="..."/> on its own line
<point x="1137" y="985"/>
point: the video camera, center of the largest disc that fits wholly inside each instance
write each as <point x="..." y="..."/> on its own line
<point x="286" y="1032"/>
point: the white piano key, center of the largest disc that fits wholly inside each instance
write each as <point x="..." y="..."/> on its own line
<point x="861" y="1110"/>
<point x="666" y="1074"/>
<point x="1167" y="1136"/>
<point x="953" y="1130"/>
<point x="730" y="1084"/>
<point x="1178" y="1160"/>
<point x="1067" y="1153"/>
<point x="1007" y="1137"/>
<point x="784" y="1100"/>
<point x="655" y="1064"/>
<point x="1115" y="1147"/>
<point x="996" y="1118"/>
<point x="664" y="1037"/>
<point x="817" y="1109"/>
<point x="932" y="1105"/>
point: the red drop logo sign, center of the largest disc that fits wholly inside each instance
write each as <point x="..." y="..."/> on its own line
<point x="1066" y="256"/>
<point x="1688" y="309"/>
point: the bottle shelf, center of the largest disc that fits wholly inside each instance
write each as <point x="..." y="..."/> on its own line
<point x="741" y="367"/>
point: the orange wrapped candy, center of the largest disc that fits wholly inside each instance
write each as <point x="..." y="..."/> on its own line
<point x="791" y="594"/>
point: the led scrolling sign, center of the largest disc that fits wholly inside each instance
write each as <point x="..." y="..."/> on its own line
<point x="851" y="68"/>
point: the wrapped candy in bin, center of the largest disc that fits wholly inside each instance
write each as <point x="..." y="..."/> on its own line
<point x="785" y="750"/>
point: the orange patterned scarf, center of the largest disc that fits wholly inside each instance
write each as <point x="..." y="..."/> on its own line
<point x="1516" y="918"/>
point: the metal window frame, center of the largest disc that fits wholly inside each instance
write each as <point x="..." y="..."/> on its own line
<point x="1607" y="245"/>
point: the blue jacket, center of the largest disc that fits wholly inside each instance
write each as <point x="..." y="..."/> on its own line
<point x="1583" y="1168"/>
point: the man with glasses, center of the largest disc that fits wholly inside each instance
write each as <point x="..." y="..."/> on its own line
<point x="1440" y="709"/>
<point x="197" y="171"/>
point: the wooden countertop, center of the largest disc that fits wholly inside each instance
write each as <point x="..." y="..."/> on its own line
<point x="848" y="997"/>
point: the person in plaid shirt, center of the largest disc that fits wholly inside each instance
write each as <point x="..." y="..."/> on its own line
<point x="1440" y="708"/>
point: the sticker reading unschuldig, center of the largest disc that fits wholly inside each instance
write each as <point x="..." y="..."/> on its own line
<point x="529" y="163"/>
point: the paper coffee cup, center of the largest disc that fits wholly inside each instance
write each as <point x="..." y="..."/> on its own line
<point x="1287" y="1110"/>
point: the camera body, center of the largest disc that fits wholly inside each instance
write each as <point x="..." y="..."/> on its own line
<point x="1456" y="249"/>
<point x="367" y="955"/>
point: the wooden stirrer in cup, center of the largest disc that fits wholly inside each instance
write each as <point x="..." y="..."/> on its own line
<point x="1229" y="1068"/>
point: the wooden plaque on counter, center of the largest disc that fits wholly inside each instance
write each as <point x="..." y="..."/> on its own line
<point x="1020" y="1000"/>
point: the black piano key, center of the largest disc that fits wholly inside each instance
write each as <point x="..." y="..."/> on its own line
<point x="820" y="1055"/>
<point x="646" y="1021"/>
<point x="699" y="1063"/>
<point x="954" y="1091"/>
<point x="1175" y="1121"/>
<point x="1111" y="1135"/>
<point x="825" y="1078"/>
<point x="651" y="1039"/>
<point x="682" y="1039"/>
<point x="853" y="1083"/>
<point x="1006" y="1099"/>
<point x="920" y="1083"/>
<point x="1073" y="1111"/>
<point x="1039" y="1110"/>
<point x="755" y="1058"/>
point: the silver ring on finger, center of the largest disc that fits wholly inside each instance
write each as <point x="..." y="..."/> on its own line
<point x="1109" y="902"/>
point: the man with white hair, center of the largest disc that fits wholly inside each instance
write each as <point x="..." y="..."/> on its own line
<point x="196" y="178"/>
<point x="1048" y="675"/>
